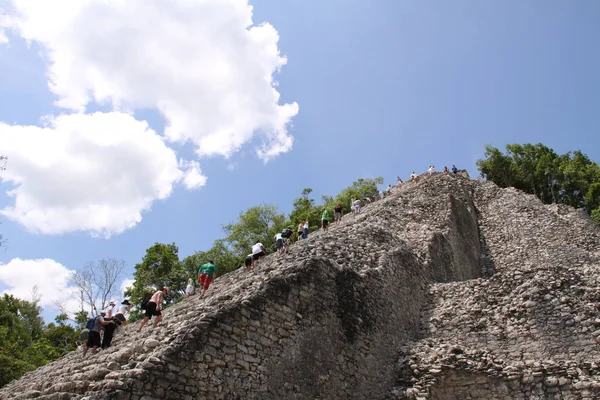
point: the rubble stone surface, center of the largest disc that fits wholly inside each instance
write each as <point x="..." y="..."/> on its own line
<point x="450" y="288"/>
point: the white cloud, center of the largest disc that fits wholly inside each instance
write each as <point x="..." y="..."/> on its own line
<point x="127" y="283"/>
<point x="201" y="63"/>
<point x="85" y="172"/>
<point x="4" y="23"/>
<point x="192" y="177"/>
<point x="50" y="277"/>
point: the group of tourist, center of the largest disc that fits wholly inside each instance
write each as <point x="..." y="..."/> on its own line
<point x="303" y="229"/>
<point x="282" y="240"/>
<point x="108" y="320"/>
<point x="207" y="271"/>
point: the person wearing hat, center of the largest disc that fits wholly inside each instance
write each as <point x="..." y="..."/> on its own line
<point x="118" y="319"/>
<point x="123" y="308"/>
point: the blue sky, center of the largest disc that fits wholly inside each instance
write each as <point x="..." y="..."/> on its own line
<point x="383" y="88"/>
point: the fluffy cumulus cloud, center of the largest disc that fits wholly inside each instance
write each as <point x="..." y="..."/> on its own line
<point x="4" y="24"/>
<point x="87" y="172"/>
<point x="192" y="177"/>
<point x="125" y="284"/>
<point x="50" y="278"/>
<point x="201" y="63"/>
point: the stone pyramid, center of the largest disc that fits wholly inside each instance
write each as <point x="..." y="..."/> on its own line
<point x="450" y="288"/>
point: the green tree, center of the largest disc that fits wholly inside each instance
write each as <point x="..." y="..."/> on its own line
<point x="305" y="209"/>
<point x="360" y="189"/>
<point x="160" y="267"/>
<point x="257" y="224"/>
<point x="224" y="258"/>
<point x="592" y="196"/>
<point x="596" y="215"/>
<point x="497" y="167"/>
<point x="25" y="341"/>
<point x="62" y="338"/>
<point x="571" y="178"/>
<point x="80" y="318"/>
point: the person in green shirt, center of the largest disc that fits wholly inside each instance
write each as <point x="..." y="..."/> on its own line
<point x="325" y="220"/>
<point x="206" y="274"/>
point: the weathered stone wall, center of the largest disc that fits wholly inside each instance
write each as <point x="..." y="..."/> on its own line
<point x="533" y="328"/>
<point x="448" y="289"/>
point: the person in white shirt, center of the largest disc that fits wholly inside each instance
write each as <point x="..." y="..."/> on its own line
<point x="189" y="289"/>
<point x="413" y="177"/>
<point x="122" y="310"/>
<point x="305" y="231"/>
<point x="431" y="169"/>
<point x="110" y="310"/>
<point x="258" y="252"/>
<point x="357" y="206"/>
<point x="279" y="242"/>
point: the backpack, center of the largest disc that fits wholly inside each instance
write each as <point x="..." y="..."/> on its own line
<point x="83" y="336"/>
<point x="90" y="324"/>
<point x="286" y="233"/>
<point x="143" y="303"/>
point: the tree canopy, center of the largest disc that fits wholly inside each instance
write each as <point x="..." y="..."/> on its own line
<point x="257" y="224"/>
<point x="571" y="178"/>
<point x="160" y="267"/>
<point x="304" y="207"/>
<point x="26" y="342"/>
<point x="360" y="189"/>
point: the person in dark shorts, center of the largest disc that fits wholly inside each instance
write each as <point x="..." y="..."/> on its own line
<point x="258" y="252"/>
<point x="338" y="214"/>
<point x="153" y="307"/>
<point x="109" y="331"/>
<point x="248" y="262"/>
<point x="123" y="309"/>
<point x="119" y="319"/>
<point x="93" y="341"/>
<point x="279" y="243"/>
<point x="325" y="220"/>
